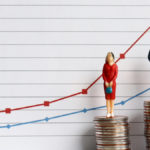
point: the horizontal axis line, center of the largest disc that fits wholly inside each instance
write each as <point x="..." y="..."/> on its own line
<point x="69" y="70"/>
<point x="119" y="83"/>
<point x="74" y="44"/>
<point x="66" y="57"/>
<point x="90" y="5"/>
<point x="52" y="123"/>
<point x="77" y="18"/>
<point x="62" y="96"/>
<point x="69" y="31"/>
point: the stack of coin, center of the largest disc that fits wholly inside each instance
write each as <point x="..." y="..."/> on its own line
<point x="147" y="123"/>
<point x="112" y="133"/>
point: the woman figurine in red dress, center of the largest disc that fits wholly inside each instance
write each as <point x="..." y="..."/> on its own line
<point x="110" y="72"/>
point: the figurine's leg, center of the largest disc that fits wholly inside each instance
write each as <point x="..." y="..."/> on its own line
<point x="108" y="107"/>
<point x="112" y="107"/>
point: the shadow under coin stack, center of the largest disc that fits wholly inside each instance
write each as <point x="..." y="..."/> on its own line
<point x="112" y="133"/>
<point x="147" y="123"/>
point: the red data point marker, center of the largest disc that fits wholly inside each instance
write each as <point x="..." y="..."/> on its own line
<point x="84" y="91"/>
<point x="46" y="103"/>
<point x="122" y="56"/>
<point x="7" y="110"/>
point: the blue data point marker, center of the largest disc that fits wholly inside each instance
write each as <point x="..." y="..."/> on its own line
<point x="8" y="126"/>
<point x="84" y="110"/>
<point x="123" y="102"/>
<point x="46" y="119"/>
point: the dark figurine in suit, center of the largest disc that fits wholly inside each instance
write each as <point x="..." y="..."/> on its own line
<point x="149" y="55"/>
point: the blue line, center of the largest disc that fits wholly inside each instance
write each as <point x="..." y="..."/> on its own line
<point x="72" y="113"/>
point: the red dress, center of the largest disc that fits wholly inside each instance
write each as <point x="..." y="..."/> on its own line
<point x="109" y="74"/>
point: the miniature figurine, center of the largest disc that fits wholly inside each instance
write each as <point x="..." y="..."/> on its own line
<point x="110" y="72"/>
<point x="149" y="55"/>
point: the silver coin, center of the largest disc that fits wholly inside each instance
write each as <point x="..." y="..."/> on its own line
<point x="119" y="118"/>
<point x="146" y="102"/>
<point x="111" y="147"/>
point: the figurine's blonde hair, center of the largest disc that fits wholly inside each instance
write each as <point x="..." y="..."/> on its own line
<point x="111" y="54"/>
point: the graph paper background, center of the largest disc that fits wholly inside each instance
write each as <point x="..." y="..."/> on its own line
<point x="52" y="48"/>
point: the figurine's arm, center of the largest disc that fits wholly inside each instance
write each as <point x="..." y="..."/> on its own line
<point x="103" y="74"/>
<point x="116" y="73"/>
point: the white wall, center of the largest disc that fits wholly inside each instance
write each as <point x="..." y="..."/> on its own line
<point x="50" y="49"/>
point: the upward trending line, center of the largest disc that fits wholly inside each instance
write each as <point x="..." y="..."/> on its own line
<point x="84" y="91"/>
<point x="46" y="119"/>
